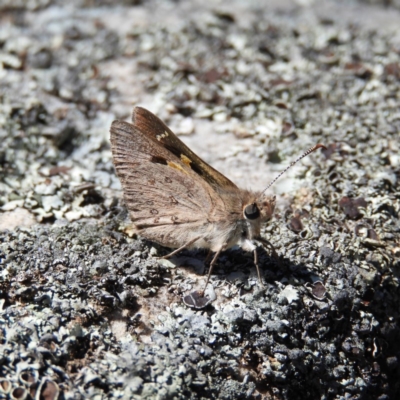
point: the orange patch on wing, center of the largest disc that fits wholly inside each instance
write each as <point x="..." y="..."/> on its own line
<point x="176" y="166"/>
<point x="186" y="160"/>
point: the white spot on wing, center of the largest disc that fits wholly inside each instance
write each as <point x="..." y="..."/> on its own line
<point x="162" y="136"/>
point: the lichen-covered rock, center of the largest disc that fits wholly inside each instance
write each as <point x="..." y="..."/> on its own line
<point x="89" y="311"/>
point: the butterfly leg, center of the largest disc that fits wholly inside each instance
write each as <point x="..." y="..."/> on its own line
<point x="258" y="269"/>
<point x="268" y="244"/>
<point x="209" y="254"/>
<point x="181" y="248"/>
<point x="213" y="261"/>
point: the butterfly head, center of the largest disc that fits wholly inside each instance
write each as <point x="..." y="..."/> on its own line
<point x="260" y="210"/>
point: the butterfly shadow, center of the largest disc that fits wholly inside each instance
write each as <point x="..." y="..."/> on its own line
<point x="236" y="268"/>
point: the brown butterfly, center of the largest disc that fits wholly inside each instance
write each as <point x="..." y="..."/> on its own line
<point x="178" y="200"/>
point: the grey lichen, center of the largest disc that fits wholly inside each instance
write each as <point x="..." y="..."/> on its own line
<point x="89" y="311"/>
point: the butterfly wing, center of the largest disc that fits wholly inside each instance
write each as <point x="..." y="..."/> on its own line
<point x="162" y="192"/>
<point x="154" y="128"/>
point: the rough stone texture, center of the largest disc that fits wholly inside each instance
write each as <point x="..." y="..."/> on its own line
<point x="90" y="310"/>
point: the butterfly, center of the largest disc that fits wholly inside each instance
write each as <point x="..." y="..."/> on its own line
<point x="176" y="199"/>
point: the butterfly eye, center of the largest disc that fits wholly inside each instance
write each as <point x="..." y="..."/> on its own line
<point x="251" y="211"/>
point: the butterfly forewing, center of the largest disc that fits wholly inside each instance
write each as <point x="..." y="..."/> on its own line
<point x="153" y="127"/>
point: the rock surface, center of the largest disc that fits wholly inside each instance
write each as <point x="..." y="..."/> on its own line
<point x="86" y="311"/>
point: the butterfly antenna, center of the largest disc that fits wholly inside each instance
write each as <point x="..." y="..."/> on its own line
<point x="309" y="151"/>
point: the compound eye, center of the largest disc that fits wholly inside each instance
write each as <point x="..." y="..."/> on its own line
<point x="251" y="211"/>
